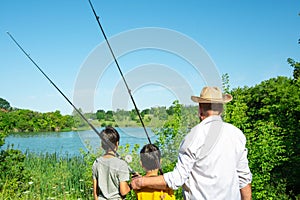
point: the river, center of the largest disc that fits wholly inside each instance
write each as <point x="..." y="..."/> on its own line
<point x="71" y="142"/>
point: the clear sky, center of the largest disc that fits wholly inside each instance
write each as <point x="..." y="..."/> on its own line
<point x="249" y="40"/>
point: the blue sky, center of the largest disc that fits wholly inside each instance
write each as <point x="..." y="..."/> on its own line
<point x="250" y="41"/>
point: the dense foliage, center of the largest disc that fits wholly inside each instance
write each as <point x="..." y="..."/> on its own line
<point x="153" y="117"/>
<point x="13" y="176"/>
<point x="4" y="105"/>
<point x="269" y="115"/>
<point x="21" y="120"/>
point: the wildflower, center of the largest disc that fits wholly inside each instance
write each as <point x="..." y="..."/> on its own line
<point x="30" y="182"/>
<point x="128" y="158"/>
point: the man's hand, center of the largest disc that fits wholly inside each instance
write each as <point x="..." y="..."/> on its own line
<point x="137" y="183"/>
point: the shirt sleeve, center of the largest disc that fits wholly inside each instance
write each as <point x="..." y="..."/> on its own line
<point x="124" y="172"/>
<point x="94" y="170"/>
<point x="243" y="170"/>
<point x="186" y="159"/>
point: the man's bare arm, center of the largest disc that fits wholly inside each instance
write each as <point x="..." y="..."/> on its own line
<point x="157" y="182"/>
<point x="246" y="192"/>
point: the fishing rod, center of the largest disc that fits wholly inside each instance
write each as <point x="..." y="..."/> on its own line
<point x="121" y="73"/>
<point x="75" y="108"/>
<point x="125" y="82"/>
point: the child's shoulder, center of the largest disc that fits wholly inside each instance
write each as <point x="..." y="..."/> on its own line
<point x="120" y="161"/>
<point x="114" y="160"/>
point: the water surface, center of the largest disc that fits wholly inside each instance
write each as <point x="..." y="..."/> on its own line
<point x="71" y="142"/>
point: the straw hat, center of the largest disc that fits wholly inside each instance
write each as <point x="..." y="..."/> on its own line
<point x="212" y="95"/>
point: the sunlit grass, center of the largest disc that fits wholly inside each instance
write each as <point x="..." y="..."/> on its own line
<point x="53" y="177"/>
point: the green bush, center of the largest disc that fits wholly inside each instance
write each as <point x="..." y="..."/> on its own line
<point x="14" y="177"/>
<point x="269" y="116"/>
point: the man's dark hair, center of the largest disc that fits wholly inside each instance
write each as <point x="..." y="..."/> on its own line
<point x="111" y="137"/>
<point x="150" y="157"/>
<point x="212" y="106"/>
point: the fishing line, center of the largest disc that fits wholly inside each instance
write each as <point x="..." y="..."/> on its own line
<point x="75" y="108"/>
<point x="125" y="82"/>
<point x="121" y="73"/>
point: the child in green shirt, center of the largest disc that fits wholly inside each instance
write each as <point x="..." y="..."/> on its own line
<point x="110" y="174"/>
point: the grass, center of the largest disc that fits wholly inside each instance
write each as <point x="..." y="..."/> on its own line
<point x="50" y="176"/>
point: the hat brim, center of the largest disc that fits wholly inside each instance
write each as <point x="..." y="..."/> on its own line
<point x="226" y="98"/>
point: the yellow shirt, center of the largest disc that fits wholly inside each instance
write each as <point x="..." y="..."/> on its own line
<point x="152" y="194"/>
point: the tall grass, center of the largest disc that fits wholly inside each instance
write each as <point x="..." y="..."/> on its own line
<point x="54" y="176"/>
<point x="51" y="176"/>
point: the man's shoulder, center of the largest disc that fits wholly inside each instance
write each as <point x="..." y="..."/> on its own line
<point x="232" y="127"/>
<point x="235" y="131"/>
<point x="194" y="139"/>
<point x="197" y="128"/>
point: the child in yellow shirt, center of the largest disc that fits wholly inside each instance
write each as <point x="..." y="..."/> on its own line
<point x="150" y="160"/>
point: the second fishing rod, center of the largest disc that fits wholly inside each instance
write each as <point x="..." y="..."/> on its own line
<point x="102" y="137"/>
<point x="121" y="73"/>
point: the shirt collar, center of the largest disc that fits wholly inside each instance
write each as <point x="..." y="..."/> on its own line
<point x="212" y="118"/>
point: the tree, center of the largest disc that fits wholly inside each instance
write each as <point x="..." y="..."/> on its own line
<point x="133" y="114"/>
<point x="109" y="116"/>
<point x="170" y="110"/>
<point x="145" y="112"/>
<point x="100" y="114"/>
<point x="225" y="83"/>
<point x="78" y="121"/>
<point x="296" y="66"/>
<point x="4" y="104"/>
<point x="169" y="138"/>
<point x="269" y="116"/>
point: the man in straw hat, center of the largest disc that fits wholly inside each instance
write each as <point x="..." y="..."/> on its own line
<point x="212" y="162"/>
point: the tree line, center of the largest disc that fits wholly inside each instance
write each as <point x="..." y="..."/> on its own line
<point x="24" y="120"/>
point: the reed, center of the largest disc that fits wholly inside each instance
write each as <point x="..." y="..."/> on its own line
<point x="56" y="177"/>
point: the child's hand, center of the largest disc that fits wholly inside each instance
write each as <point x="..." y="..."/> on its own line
<point x="135" y="175"/>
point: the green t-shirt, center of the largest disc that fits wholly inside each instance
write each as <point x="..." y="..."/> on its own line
<point x="109" y="172"/>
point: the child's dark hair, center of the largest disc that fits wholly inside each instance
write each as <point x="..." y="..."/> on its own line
<point x="111" y="137"/>
<point x="150" y="157"/>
